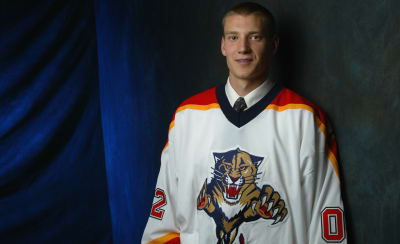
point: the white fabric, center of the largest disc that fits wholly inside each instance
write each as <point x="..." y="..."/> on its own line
<point x="294" y="163"/>
<point x="253" y="97"/>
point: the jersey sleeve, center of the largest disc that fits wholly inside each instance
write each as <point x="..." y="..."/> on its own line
<point x="321" y="186"/>
<point x="162" y="227"/>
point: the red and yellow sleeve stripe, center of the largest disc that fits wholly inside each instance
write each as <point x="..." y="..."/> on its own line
<point x="203" y="101"/>
<point x="171" y="238"/>
<point x="290" y="100"/>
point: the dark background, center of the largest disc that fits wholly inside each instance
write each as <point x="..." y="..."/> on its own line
<point x="88" y="88"/>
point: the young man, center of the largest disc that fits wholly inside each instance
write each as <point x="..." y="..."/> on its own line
<point x="250" y="161"/>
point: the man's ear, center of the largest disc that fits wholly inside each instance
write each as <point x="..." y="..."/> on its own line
<point x="275" y="44"/>
<point x="223" y="51"/>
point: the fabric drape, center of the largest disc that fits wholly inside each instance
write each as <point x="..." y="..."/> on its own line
<point x="74" y="123"/>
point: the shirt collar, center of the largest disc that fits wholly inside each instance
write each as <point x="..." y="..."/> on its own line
<point x="253" y="97"/>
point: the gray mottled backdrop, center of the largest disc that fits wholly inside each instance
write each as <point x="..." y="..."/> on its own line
<point x="342" y="55"/>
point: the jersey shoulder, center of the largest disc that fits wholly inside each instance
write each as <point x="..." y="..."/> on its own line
<point x="288" y="99"/>
<point x="203" y="98"/>
<point x="202" y="101"/>
<point x="287" y="96"/>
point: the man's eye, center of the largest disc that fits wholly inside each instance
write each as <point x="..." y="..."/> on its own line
<point x="232" y="38"/>
<point x="228" y="167"/>
<point x="255" y="37"/>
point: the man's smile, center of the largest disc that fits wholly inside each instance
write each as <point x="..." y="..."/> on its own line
<point x="244" y="60"/>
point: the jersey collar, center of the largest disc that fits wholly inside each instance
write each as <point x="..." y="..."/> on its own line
<point x="253" y="97"/>
<point x="240" y="119"/>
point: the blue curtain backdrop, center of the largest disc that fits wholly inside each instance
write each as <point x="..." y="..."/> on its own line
<point x="73" y="124"/>
<point x="127" y="92"/>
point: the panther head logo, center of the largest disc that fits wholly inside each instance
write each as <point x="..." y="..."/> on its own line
<point x="236" y="170"/>
<point x="232" y="196"/>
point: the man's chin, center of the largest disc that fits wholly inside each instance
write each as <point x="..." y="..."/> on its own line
<point x="245" y="76"/>
<point x="248" y="75"/>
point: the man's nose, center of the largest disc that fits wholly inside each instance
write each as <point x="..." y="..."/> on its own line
<point x="244" y="46"/>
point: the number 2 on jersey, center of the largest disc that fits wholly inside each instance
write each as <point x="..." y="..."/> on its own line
<point x="156" y="211"/>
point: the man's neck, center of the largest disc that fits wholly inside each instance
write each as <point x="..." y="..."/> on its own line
<point x="244" y="87"/>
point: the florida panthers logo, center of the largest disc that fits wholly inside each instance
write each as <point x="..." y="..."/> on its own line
<point x="232" y="196"/>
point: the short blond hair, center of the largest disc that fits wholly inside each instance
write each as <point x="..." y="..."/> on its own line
<point x="248" y="8"/>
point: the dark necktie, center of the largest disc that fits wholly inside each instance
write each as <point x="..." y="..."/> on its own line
<point x="240" y="105"/>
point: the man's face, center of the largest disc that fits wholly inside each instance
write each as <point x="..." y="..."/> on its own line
<point x="247" y="48"/>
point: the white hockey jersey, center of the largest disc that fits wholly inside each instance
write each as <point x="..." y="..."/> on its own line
<point x="268" y="174"/>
